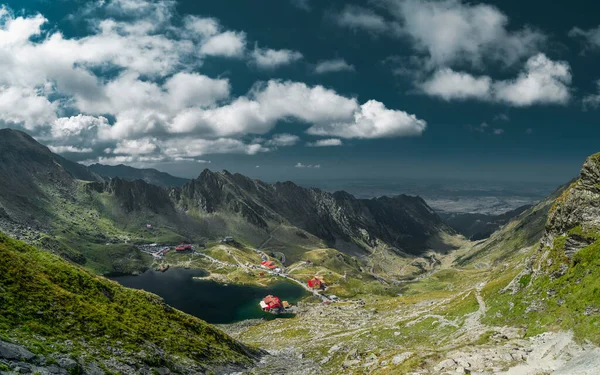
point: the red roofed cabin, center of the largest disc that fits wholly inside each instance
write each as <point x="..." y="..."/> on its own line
<point x="270" y="303"/>
<point x="269" y="264"/>
<point x="183" y="247"/>
<point x="315" y="283"/>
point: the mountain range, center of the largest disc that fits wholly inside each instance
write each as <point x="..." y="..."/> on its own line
<point x="75" y="210"/>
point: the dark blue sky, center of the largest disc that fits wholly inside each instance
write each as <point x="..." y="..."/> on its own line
<point x="542" y="141"/>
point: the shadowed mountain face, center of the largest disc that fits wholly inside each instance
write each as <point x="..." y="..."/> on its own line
<point x="136" y="195"/>
<point x="25" y="167"/>
<point x="151" y="176"/>
<point x="340" y="219"/>
<point x="19" y="151"/>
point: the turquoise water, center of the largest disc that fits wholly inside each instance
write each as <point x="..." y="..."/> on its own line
<point x="209" y="300"/>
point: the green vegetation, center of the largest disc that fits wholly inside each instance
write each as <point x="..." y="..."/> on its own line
<point x="524" y="280"/>
<point x="570" y="301"/>
<point x="44" y="296"/>
<point x="90" y="229"/>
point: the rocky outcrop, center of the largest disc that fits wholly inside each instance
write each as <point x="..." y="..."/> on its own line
<point x="16" y="359"/>
<point x="19" y="360"/>
<point x="574" y="220"/>
<point x="578" y="206"/>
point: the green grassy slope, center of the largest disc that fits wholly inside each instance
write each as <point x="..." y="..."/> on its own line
<point x="559" y="288"/>
<point x="50" y="305"/>
<point x="522" y="232"/>
<point x="571" y="301"/>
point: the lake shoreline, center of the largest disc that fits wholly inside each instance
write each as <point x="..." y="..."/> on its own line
<point x="197" y="293"/>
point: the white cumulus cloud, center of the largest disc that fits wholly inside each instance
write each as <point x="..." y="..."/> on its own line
<point x="283" y="140"/>
<point x="591" y="37"/>
<point x="313" y="166"/>
<point x="453" y="31"/>
<point x="448" y="84"/>
<point x="543" y="81"/>
<point x="132" y="89"/>
<point x="228" y="44"/>
<point x="141" y="146"/>
<point x="325" y="143"/>
<point x="373" y="120"/>
<point x="186" y="148"/>
<point x="272" y="58"/>
<point x="332" y="66"/>
<point x="356" y="17"/>
<point x="69" y="149"/>
<point x="27" y="106"/>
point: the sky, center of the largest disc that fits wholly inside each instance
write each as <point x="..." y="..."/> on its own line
<point x="309" y="89"/>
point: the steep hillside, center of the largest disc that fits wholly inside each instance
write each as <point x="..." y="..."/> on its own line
<point x="151" y="176"/>
<point x="136" y="196"/>
<point x="515" y="238"/>
<point x="66" y="320"/>
<point x="559" y="288"/>
<point x="26" y="166"/>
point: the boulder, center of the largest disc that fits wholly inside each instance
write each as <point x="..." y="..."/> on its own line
<point x="398" y="359"/>
<point x="445" y="364"/>
<point x="14" y="352"/>
<point x="351" y="363"/>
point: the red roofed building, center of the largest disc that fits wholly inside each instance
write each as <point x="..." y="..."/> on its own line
<point x="315" y="283"/>
<point x="183" y="247"/>
<point x="269" y="264"/>
<point x="271" y="303"/>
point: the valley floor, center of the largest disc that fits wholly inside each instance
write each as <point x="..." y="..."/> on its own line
<point x="424" y="315"/>
<point x="437" y="325"/>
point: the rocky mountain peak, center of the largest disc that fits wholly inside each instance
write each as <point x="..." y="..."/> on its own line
<point x="590" y="173"/>
<point x="206" y="173"/>
<point x="574" y="220"/>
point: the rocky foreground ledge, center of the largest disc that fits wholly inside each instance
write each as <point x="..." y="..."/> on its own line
<point x="16" y="359"/>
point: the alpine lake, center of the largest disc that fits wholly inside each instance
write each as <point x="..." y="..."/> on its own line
<point x="208" y="300"/>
